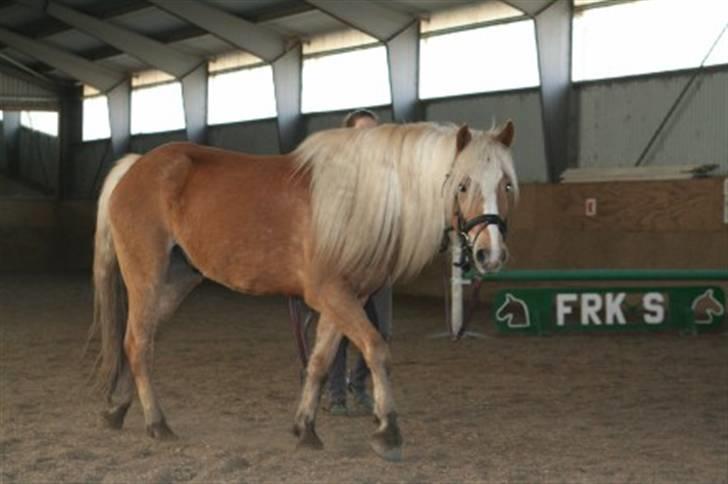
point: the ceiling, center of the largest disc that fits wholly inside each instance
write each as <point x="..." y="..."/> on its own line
<point x="291" y="20"/>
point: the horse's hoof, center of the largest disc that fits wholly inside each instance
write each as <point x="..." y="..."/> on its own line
<point x="391" y="454"/>
<point x="161" y="431"/>
<point x="387" y="442"/>
<point x="114" y="419"/>
<point x="307" y="438"/>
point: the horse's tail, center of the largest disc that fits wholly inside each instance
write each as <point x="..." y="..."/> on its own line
<point x="109" y="292"/>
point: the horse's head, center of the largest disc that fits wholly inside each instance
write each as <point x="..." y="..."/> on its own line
<point x="483" y="188"/>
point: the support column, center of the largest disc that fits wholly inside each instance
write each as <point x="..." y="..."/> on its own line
<point x="11" y="130"/>
<point x="553" y="35"/>
<point x="403" y="59"/>
<point x="194" y="95"/>
<point x="69" y="134"/>
<point x="119" y="98"/>
<point x="287" y="80"/>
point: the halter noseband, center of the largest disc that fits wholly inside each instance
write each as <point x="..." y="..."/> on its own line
<point x="465" y="226"/>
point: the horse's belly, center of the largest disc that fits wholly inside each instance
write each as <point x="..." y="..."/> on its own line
<point x="248" y="262"/>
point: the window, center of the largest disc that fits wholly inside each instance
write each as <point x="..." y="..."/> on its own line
<point x="157" y="108"/>
<point x="241" y="95"/>
<point x="43" y="121"/>
<point x="156" y="103"/>
<point x="491" y="58"/>
<point x="647" y="36"/>
<point x="1" y="115"/>
<point x="344" y="80"/>
<point x="96" y="118"/>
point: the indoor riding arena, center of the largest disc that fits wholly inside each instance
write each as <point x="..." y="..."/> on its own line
<point x="531" y="280"/>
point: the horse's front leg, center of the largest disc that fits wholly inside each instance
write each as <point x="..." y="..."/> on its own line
<point x="353" y="323"/>
<point x="327" y="341"/>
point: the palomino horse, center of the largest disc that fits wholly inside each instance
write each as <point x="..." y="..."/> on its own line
<point x="345" y="212"/>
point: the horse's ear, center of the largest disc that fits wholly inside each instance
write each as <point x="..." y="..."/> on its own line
<point x="506" y="133"/>
<point x="463" y="137"/>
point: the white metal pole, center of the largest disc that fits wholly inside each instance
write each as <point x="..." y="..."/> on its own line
<point x="456" y="286"/>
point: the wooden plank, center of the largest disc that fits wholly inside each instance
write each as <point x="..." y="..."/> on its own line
<point x="669" y="172"/>
<point x="647" y="206"/>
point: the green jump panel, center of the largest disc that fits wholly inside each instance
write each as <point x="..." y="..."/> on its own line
<point x="567" y="310"/>
<point x="605" y="275"/>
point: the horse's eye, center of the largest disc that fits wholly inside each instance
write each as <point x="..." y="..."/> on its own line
<point x="509" y="187"/>
<point x="462" y="188"/>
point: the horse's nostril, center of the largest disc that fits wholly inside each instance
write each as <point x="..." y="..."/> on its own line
<point x="481" y="255"/>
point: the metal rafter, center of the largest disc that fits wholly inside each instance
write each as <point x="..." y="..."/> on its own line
<point x="258" y="40"/>
<point x="149" y="51"/>
<point x="380" y="22"/>
<point x="531" y="8"/>
<point x="102" y="78"/>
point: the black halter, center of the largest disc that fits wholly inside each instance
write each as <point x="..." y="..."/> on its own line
<point x="464" y="226"/>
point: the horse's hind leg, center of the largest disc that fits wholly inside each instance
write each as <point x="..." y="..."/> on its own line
<point x="327" y="341"/>
<point x="180" y="279"/>
<point x="139" y="348"/>
<point x="121" y="399"/>
<point x="156" y="281"/>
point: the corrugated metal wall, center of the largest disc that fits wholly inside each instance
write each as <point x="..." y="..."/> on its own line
<point x="16" y="94"/>
<point x="480" y="112"/>
<point x="258" y="137"/>
<point x="618" y="118"/>
<point x="39" y="155"/>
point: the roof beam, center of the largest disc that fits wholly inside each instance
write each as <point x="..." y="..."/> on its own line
<point x="380" y="22"/>
<point x="532" y="8"/>
<point x="260" y="41"/>
<point x="149" y="51"/>
<point x="102" y="78"/>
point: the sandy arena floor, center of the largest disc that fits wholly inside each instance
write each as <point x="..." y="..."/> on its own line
<point x="609" y="409"/>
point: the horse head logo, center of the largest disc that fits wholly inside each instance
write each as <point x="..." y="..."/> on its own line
<point x="514" y="312"/>
<point x="706" y="307"/>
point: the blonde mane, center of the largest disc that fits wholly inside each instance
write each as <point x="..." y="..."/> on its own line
<point x="382" y="196"/>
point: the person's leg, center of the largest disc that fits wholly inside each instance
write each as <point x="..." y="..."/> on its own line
<point x="337" y="380"/>
<point x="360" y="372"/>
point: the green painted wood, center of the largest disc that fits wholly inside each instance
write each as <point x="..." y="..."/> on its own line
<point x="693" y="309"/>
<point x="605" y="275"/>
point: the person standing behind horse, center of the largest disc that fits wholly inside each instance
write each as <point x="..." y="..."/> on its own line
<point x="377" y="308"/>
<point x="378" y="311"/>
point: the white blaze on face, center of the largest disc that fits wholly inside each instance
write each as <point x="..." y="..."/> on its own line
<point x="496" y="244"/>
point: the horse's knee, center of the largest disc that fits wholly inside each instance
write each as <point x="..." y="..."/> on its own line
<point x="317" y="368"/>
<point x="377" y="353"/>
<point x="134" y="353"/>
